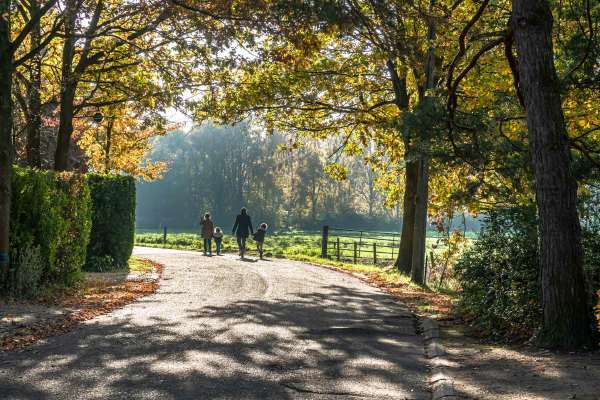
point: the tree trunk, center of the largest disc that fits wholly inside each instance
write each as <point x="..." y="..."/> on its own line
<point x="34" y="123"/>
<point x="422" y="201"/>
<point x="6" y="66"/>
<point x="404" y="260"/>
<point x="108" y="145"/>
<point x="566" y="322"/>
<point x="417" y="271"/>
<point x="68" y="88"/>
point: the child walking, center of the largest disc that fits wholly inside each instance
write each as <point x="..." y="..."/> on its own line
<point x="259" y="237"/>
<point x="218" y="236"/>
<point x="207" y="233"/>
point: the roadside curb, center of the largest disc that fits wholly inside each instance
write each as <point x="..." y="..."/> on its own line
<point x="441" y="383"/>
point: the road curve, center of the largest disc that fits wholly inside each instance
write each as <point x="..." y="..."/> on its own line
<point x="221" y="328"/>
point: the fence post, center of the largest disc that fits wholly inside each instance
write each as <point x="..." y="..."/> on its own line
<point x="355" y="251"/>
<point x="338" y="249"/>
<point x="324" y="241"/>
<point x="165" y="235"/>
<point x="374" y="253"/>
<point x="360" y="243"/>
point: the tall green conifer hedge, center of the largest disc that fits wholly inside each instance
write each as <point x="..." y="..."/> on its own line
<point x="50" y="230"/>
<point x="113" y="221"/>
<point x="62" y="223"/>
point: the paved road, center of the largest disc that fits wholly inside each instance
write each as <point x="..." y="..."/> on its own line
<point x="221" y="328"/>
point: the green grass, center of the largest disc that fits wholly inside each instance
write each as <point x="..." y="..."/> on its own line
<point x="290" y="244"/>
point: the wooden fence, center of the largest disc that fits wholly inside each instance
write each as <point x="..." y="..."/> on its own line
<point x="371" y="247"/>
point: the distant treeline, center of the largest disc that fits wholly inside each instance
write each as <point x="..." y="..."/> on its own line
<point x="221" y="169"/>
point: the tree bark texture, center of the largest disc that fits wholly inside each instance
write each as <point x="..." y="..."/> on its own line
<point x="422" y="200"/>
<point x="566" y="322"/>
<point x="6" y="67"/>
<point x="68" y="88"/>
<point x="34" y="123"/>
<point x="417" y="272"/>
<point x="404" y="260"/>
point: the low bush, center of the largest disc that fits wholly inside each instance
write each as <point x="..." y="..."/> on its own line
<point x="113" y="221"/>
<point x="498" y="274"/>
<point x="50" y="227"/>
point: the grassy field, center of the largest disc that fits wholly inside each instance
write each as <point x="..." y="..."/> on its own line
<point x="294" y="244"/>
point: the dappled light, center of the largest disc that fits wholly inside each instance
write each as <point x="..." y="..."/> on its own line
<point x="272" y="339"/>
<point x="337" y="191"/>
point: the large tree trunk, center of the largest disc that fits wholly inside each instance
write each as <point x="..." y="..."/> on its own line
<point x="422" y="201"/>
<point x="34" y="123"/>
<point x="68" y="88"/>
<point x="6" y="66"/>
<point x="566" y="322"/>
<point x="417" y="272"/>
<point x="404" y="260"/>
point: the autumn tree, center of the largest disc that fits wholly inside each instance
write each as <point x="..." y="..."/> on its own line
<point x="353" y="71"/>
<point x="10" y="42"/>
<point x="531" y="61"/>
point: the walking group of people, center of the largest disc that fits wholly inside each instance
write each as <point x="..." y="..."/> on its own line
<point x="242" y="229"/>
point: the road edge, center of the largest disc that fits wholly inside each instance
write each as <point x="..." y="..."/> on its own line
<point x="440" y="381"/>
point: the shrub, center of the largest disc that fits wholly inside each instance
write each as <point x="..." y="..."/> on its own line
<point x="113" y="220"/>
<point x="50" y="216"/>
<point x="25" y="280"/>
<point x="498" y="274"/>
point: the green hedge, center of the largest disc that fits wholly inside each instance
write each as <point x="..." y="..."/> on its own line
<point x="113" y="222"/>
<point x="50" y="229"/>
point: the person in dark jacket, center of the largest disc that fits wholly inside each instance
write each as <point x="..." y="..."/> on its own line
<point x="259" y="237"/>
<point x="242" y="229"/>
<point x="207" y="233"/>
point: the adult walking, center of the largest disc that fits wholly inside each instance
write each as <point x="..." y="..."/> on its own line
<point x="207" y="233"/>
<point x="242" y="229"/>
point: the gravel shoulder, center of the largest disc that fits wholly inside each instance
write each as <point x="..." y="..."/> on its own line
<point x="502" y="372"/>
<point x="221" y="328"/>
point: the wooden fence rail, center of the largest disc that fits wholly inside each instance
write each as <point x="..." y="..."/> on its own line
<point x="366" y="246"/>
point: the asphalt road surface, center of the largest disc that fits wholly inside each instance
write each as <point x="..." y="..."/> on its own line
<point x="222" y="328"/>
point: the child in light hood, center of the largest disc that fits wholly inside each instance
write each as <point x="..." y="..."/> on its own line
<point x="218" y="236"/>
<point x="259" y="237"/>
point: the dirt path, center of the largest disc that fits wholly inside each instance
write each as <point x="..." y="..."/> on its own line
<point x="494" y="372"/>
<point x="220" y="328"/>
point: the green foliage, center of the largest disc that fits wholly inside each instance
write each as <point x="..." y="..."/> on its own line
<point x="76" y="210"/>
<point x="50" y="227"/>
<point x="113" y="221"/>
<point x="499" y="274"/>
<point x="220" y="169"/>
<point x="25" y="280"/>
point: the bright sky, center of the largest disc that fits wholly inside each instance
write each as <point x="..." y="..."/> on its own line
<point x="175" y="116"/>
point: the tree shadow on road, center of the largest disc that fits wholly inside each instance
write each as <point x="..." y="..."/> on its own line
<point x="330" y="342"/>
<point x="337" y="341"/>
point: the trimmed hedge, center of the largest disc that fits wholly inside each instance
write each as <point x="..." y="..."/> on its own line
<point x="50" y="230"/>
<point x="113" y="222"/>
